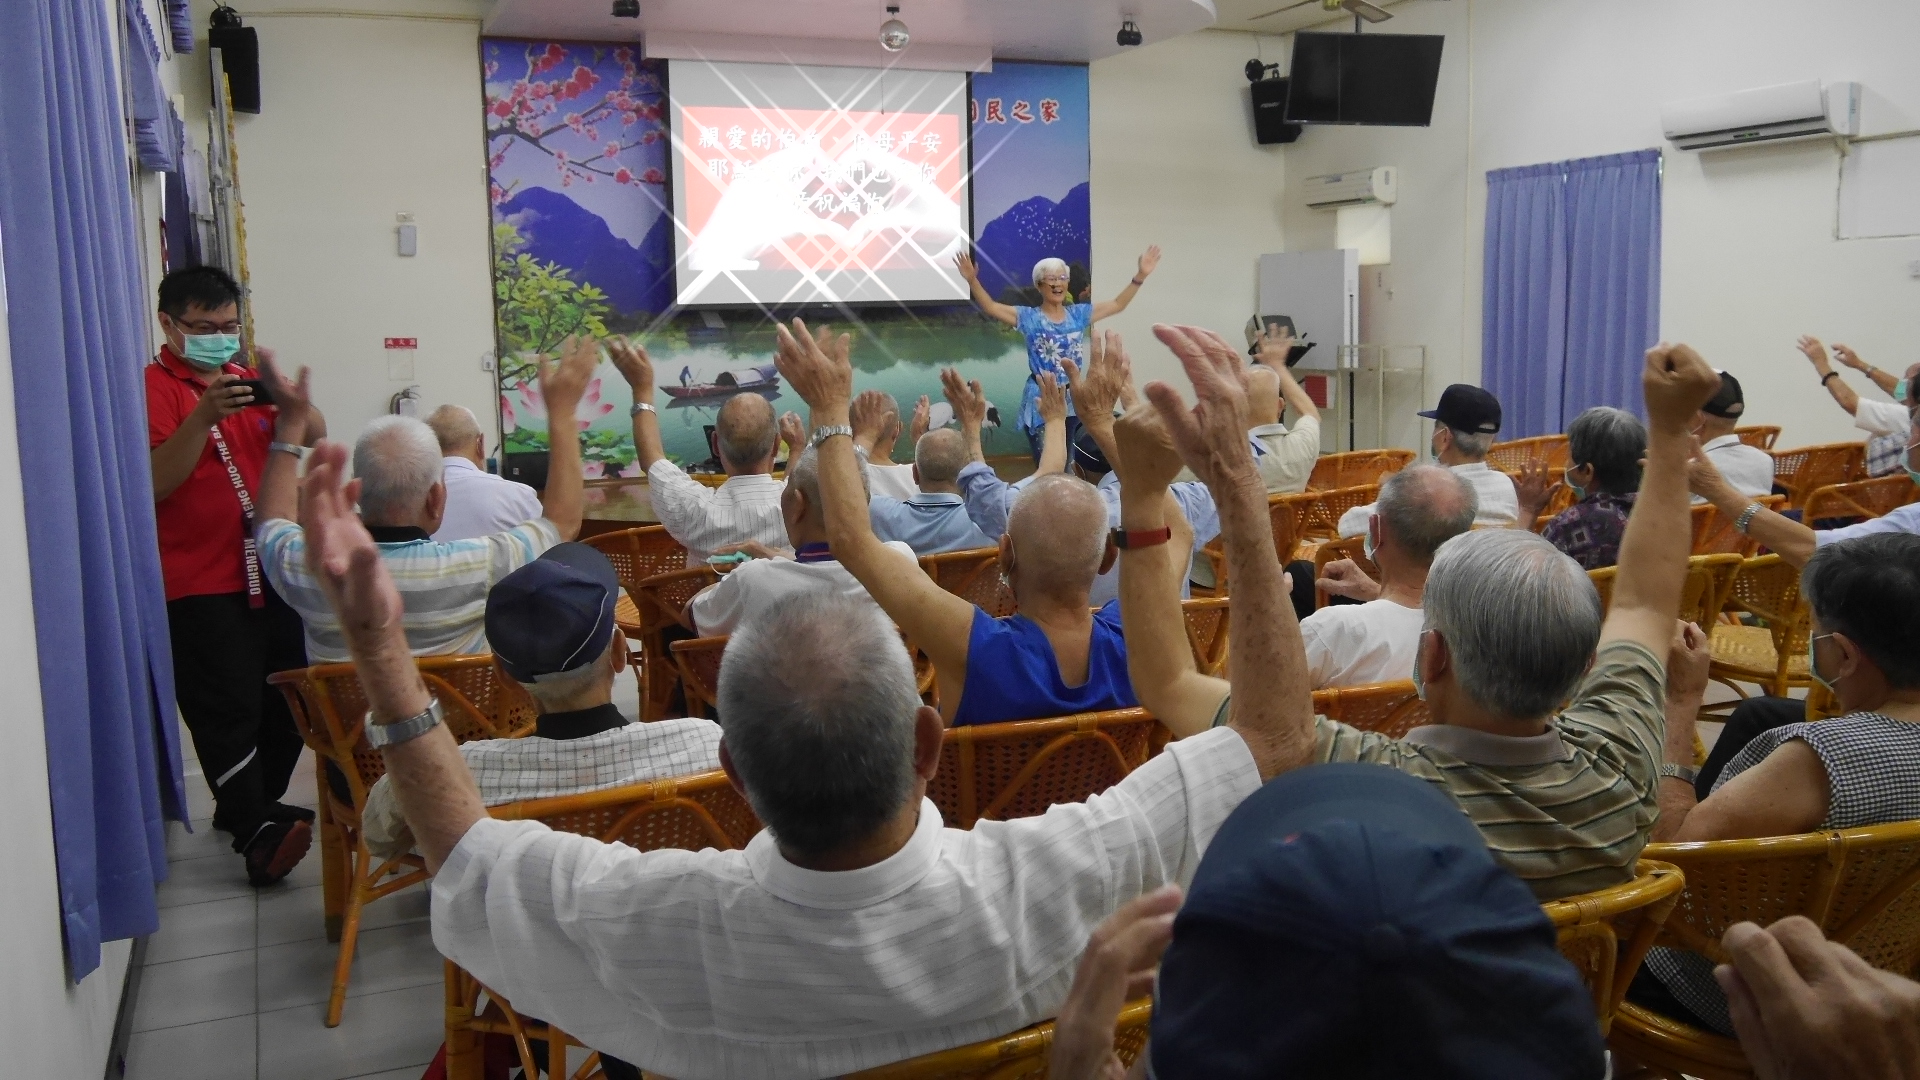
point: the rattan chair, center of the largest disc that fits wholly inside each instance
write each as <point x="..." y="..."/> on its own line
<point x="1285" y="515"/>
<point x="1861" y="886"/>
<point x="1860" y="499"/>
<point x="1760" y="435"/>
<point x="1714" y="534"/>
<point x="1806" y="469"/>
<point x="1392" y="709"/>
<point x="329" y="707"/>
<point x="1772" y="656"/>
<point x="697" y="663"/>
<point x="973" y="576"/>
<point x="1207" y="621"/>
<point x="994" y="772"/>
<point x="693" y="812"/>
<point x="1513" y="455"/>
<point x="662" y="600"/>
<point x="1703" y="595"/>
<point x="1322" y="520"/>
<point x="1356" y="468"/>
<point x="1606" y="933"/>
<point x="636" y="555"/>
<point x="1331" y="551"/>
<point x="1019" y="1056"/>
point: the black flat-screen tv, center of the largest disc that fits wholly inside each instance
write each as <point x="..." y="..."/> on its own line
<point x="1382" y="79"/>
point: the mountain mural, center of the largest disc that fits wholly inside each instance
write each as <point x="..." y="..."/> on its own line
<point x="1031" y="230"/>
<point x="558" y="230"/>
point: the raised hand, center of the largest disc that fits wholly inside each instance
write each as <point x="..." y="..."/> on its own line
<point x="1675" y="383"/>
<point x="1343" y="577"/>
<point x="1811" y="348"/>
<point x="341" y="554"/>
<point x="634" y="365"/>
<point x="1805" y="1007"/>
<point x="1120" y="963"/>
<point x="1688" y="659"/>
<point x="1212" y="435"/>
<point x="1535" y="487"/>
<point x="968" y="401"/>
<point x="563" y="384"/>
<point x="1145" y="457"/>
<point x="869" y="414"/>
<point x="816" y="365"/>
<point x="1053" y="399"/>
<point x="1098" y="389"/>
<point x="1276" y="342"/>
<point x="1847" y="356"/>
<point x="293" y="397"/>
<point x="922" y="419"/>
<point x="793" y="432"/>
<point x="1148" y="261"/>
<point x="969" y="271"/>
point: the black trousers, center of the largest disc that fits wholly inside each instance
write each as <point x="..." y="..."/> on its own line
<point x="242" y="730"/>
<point x="1750" y="718"/>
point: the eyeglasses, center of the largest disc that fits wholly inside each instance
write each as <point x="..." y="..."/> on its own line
<point x="1053" y="281"/>
<point x="201" y="326"/>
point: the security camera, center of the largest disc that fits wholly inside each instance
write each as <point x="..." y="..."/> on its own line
<point x="626" y="9"/>
<point x="1129" y="34"/>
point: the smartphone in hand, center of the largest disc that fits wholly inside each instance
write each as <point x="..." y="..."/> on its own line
<point x="261" y="395"/>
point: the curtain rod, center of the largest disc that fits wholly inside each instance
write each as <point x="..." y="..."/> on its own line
<point x="336" y="13"/>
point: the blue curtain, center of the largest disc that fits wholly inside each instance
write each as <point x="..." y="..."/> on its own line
<point x="1572" y="287"/>
<point x="76" y="320"/>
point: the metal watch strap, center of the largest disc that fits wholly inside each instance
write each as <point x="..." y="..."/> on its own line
<point x="1745" y="519"/>
<point x="382" y="736"/>
<point x="1678" y="772"/>
<point x="822" y="434"/>
<point x="642" y="406"/>
<point x="288" y="448"/>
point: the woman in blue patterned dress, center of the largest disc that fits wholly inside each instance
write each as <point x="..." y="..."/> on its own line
<point x="1055" y="331"/>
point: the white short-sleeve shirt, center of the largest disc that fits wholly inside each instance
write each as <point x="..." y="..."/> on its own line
<point x="1361" y="644"/>
<point x="1497" y="504"/>
<point x="758" y="584"/>
<point x="1748" y="468"/>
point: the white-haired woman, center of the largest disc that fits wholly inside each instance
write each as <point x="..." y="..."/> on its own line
<point x="1056" y="330"/>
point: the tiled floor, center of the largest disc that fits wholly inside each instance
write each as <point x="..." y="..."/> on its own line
<point x="235" y="983"/>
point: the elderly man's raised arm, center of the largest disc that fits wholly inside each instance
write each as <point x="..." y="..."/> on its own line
<point x="817" y="368"/>
<point x="1653" y="553"/>
<point x="1159" y="663"/>
<point x="562" y="385"/>
<point x="1272" y="695"/>
<point x="1792" y="541"/>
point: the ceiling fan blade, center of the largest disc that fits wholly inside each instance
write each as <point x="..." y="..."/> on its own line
<point x="1279" y="10"/>
<point x="1367" y="11"/>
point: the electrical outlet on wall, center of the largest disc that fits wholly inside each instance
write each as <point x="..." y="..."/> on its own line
<point x="486" y="361"/>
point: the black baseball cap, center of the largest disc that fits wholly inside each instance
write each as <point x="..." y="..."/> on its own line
<point x="554" y="614"/>
<point x="1467" y="408"/>
<point x="1342" y="897"/>
<point x="1729" y="401"/>
<point x="1085" y="452"/>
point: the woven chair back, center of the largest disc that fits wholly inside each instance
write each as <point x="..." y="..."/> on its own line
<point x="698" y="662"/>
<point x="1769" y="587"/>
<point x="1001" y="771"/>
<point x="1321" y="519"/>
<point x="1513" y="455"/>
<point x="1709" y="583"/>
<point x="1285" y="516"/>
<point x="1353" y="548"/>
<point x="1207" y="621"/>
<point x="1606" y="933"/>
<point x="638" y="554"/>
<point x="1806" y="469"/>
<point x="1860" y="499"/>
<point x="1760" y="435"/>
<point x="974" y="576"/>
<point x="1021" y="1055"/>
<point x="1392" y="709"/>
<point x="688" y="812"/>
<point x="1356" y="467"/>
<point x="1714" y="534"/>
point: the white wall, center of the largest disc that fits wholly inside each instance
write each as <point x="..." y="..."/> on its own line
<point x="1175" y="164"/>
<point x="1749" y="255"/>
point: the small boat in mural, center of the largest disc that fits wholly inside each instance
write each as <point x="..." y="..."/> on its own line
<point x="753" y="379"/>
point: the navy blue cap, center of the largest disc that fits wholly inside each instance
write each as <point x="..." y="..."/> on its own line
<point x="1467" y="408"/>
<point x="1348" y="920"/>
<point x="1085" y="452"/>
<point x="554" y="614"/>
<point x="1728" y="402"/>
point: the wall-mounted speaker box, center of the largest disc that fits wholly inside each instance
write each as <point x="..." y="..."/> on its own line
<point x="1269" y="110"/>
<point x="240" y="55"/>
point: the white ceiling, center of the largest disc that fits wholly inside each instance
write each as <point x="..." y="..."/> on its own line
<point x="1063" y="30"/>
<point x="1238" y="15"/>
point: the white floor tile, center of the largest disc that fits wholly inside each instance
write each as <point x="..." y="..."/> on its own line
<point x="199" y="798"/>
<point x="194" y="991"/>
<point x="215" y="1050"/>
<point x="196" y="881"/>
<point x="217" y="926"/>
<point x="390" y="959"/>
<point x="290" y="915"/>
<point x="203" y="842"/>
<point x="378" y="1032"/>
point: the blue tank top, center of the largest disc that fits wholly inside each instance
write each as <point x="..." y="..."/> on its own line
<point x="1012" y="673"/>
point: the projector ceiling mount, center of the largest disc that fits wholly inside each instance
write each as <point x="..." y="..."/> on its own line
<point x="1359" y="8"/>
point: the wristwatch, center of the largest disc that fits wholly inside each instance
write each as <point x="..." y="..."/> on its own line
<point x="1678" y="772"/>
<point x="822" y="434"/>
<point x="381" y="736"/>
<point x="287" y="448"/>
<point x="1745" y="520"/>
<point x="1135" y="539"/>
<point x="642" y="406"/>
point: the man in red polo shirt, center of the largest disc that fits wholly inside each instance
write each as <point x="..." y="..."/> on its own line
<point x="210" y="439"/>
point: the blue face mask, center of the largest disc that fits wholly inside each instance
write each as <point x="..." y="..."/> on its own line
<point x="210" y="350"/>
<point x="1578" y="491"/>
<point x="1813" y="662"/>
<point x="1419" y="685"/>
<point x="1900" y="391"/>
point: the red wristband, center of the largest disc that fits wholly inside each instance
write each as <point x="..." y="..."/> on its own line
<point x="1141" y="538"/>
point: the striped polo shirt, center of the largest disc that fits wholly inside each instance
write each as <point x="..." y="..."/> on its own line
<point x="443" y="584"/>
<point x="1567" y="810"/>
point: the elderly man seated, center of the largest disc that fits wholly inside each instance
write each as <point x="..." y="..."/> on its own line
<point x="1057" y="656"/>
<point x="935" y="519"/>
<point x="705" y="520"/>
<point x="876" y="429"/>
<point x="854" y="930"/>
<point x="1604" y="448"/>
<point x="1421" y="507"/>
<point x="1885" y="422"/>
<point x="403" y="499"/>
<point x="1564" y="797"/>
<point x="1464" y="424"/>
<point x="1748" y="468"/>
<point x="1852" y="770"/>
<point x="479" y="503"/>
<point x="769" y="577"/>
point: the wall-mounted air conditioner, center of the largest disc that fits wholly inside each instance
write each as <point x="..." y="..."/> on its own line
<point x="1357" y="187"/>
<point x="1789" y="111"/>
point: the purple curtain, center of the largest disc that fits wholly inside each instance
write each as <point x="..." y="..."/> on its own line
<point x="1572" y="287"/>
<point x="76" y="323"/>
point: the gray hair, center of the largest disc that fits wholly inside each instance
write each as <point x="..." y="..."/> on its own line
<point x="940" y="455"/>
<point x="1612" y="441"/>
<point x="818" y="706"/>
<point x="455" y="426"/>
<point x="745" y="430"/>
<point x="397" y="459"/>
<point x="563" y="691"/>
<point x="1424" y="506"/>
<point x="803" y="475"/>
<point x="1520" y="619"/>
<point x="1473" y="444"/>
<point x="1045" y="266"/>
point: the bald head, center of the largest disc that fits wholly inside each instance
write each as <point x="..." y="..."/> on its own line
<point x="746" y="433"/>
<point x="1424" y="506"/>
<point x="940" y="455"/>
<point x="1058" y="532"/>
<point x="1263" y="395"/>
<point x="458" y="431"/>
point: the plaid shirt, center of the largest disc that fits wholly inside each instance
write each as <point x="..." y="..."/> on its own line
<point x="1589" y="531"/>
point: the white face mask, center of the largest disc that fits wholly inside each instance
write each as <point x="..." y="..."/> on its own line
<point x="1419" y="684"/>
<point x="1367" y="544"/>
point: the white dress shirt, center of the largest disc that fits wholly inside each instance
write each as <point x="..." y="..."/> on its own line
<point x="706" y="519"/>
<point x="739" y="964"/>
<point x="758" y="584"/>
<point x="480" y="503"/>
<point x="892" y="481"/>
<point x="1361" y="644"/>
<point x="1289" y="455"/>
<point x="1748" y="468"/>
<point x="1498" y="504"/>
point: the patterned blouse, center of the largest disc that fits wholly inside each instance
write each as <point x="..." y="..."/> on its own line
<point x="1859" y="752"/>
<point x="1590" y="530"/>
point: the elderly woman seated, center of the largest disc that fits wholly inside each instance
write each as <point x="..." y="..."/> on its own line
<point x="1855" y="769"/>
<point x="1604" y="448"/>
